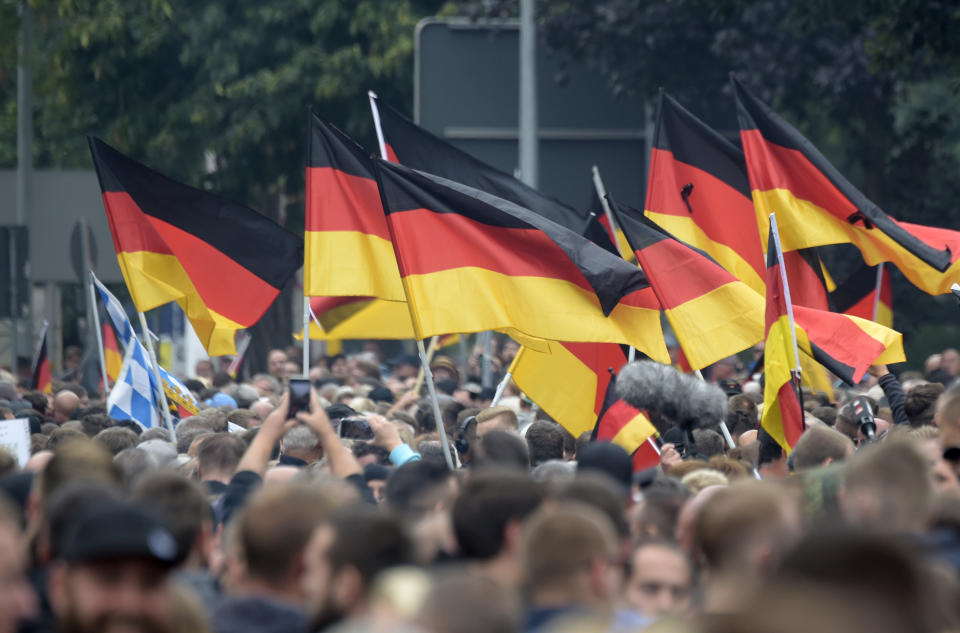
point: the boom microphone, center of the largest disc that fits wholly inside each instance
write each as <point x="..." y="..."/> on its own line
<point x="688" y="401"/>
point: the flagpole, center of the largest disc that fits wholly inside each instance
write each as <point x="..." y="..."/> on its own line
<point x="424" y="362"/>
<point x="375" y="111"/>
<point x="306" y="334"/>
<point x="506" y="378"/>
<point x="786" y="297"/>
<point x="876" y="292"/>
<point x="95" y="316"/>
<point x="156" y="375"/>
<point x="602" y="194"/>
<point x="431" y="350"/>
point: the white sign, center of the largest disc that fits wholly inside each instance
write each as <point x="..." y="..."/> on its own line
<point x="15" y="439"/>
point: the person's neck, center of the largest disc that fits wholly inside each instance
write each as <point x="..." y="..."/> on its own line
<point x="502" y="569"/>
<point x="724" y="592"/>
<point x="288" y="592"/>
<point x="557" y="597"/>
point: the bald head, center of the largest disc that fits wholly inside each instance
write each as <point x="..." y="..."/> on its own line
<point x="64" y="404"/>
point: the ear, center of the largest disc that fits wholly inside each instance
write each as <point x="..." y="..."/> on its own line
<point x="348" y="588"/>
<point x="57" y="586"/>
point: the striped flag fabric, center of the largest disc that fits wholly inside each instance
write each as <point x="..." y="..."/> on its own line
<point x="178" y="243"/>
<point x="112" y="357"/>
<point x="41" y="379"/>
<point x="118" y="316"/>
<point x="712" y="313"/>
<point x="472" y="262"/>
<point x="816" y="205"/>
<point x="181" y="401"/>
<point x="861" y="295"/>
<point x="629" y="428"/>
<point x="134" y="396"/>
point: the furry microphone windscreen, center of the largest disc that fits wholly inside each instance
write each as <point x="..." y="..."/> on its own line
<point x="685" y="399"/>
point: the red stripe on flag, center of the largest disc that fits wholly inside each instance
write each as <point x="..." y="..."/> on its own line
<point x="338" y="201"/>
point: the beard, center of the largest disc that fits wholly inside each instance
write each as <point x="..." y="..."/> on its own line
<point x="109" y="623"/>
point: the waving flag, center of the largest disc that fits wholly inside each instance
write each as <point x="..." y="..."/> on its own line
<point x="472" y="262"/>
<point x="815" y="205"/>
<point x="134" y="395"/>
<point x="41" y="379"/>
<point x="111" y="353"/>
<point x="222" y="262"/>
<point x="867" y="293"/>
<point x="116" y="312"/>
<point x="628" y="427"/>
<point x="713" y="314"/>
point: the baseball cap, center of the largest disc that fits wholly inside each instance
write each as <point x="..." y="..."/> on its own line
<point x="118" y="529"/>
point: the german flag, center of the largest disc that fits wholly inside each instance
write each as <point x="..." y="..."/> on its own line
<point x="448" y="340"/>
<point x="698" y="191"/>
<point x="782" y="411"/>
<point x="409" y="144"/>
<point x="601" y="232"/>
<point x="569" y="381"/>
<point x="471" y="262"/>
<point x="628" y="427"/>
<point x="347" y="247"/>
<point x="866" y="293"/>
<point x="112" y="357"/>
<point x="712" y="313"/>
<point x="360" y="317"/>
<point x="815" y="205"/>
<point x="40" y="379"/>
<point x="222" y="262"/>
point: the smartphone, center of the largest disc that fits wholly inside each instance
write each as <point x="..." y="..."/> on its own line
<point x="299" y="396"/>
<point x="355" y="429"/>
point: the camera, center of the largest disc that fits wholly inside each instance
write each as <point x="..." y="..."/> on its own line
<point x="863" y="417"/>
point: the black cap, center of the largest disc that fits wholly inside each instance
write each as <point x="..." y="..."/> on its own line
<point x="116" y="529"/>
<point x="381" y="394"/>
<point x="608" y="458"/>
<point x="730" y="386"/>
<point x="375" y="472"/>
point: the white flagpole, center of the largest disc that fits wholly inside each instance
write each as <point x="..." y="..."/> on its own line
<point x="95" y="316"/>
<point x="786" y="293"/>
<point x="306" y="334"/>
<point x="375" y="111"/>
<point x="876" y="292"/>
<point x="156" y="375"/>
<point x="602" y="194"/>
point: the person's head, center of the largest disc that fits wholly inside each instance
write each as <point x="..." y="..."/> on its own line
<point x="607" y="458"/>
<point x="277" y="364"/>
<point x="112" y="572"/>
<point x="64" y="404"/>
<point x="266" y="385"/>
<point x="499" y="418"/>
<point x="771" y="459"/>
<point x="569" y="556"/>
<point x="746" y="527"/>
<point x="302" y="443"/>
<point x="489" y="512"/>
<point x="887" y="487"/>
<point x="17" y="600"/>
<point x="499" y="449"/>
<point x="821" y="446"/>
<point x="545" y="442"/>
<point x="183" y="507"/>
<point x="661" y="579"/>
<point x="117" y="439"/>
<point x="134" y="463"/>
<point x="218" y="456"/>
<point x="708" y="442"/>
<point x="947" y="417"/>
<point x="950" y="362"/>
<point x="418" y="488"/>
<point x="274" y="529"/>
<point x="375" y="476"/>
<point x="93" y="423"/>
<point x="74" y="461"/>
<point x="921" y="403"/>
<point x="463" y="602"/>
<point x="656" y="516"/>
<point x="345" y="555"/>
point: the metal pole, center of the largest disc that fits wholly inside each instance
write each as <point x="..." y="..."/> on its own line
<point x="786" y="293"/>
<point x="500" y="389"/>
<point x="95" y="319"/>
<point x="602" y="194"/>
<point x="306" y="335"/>
<point x="156" y="375"/>
<point x="486" y="378"/>
<point x="24" y="160"/>
<point x="432" y="388"/>
<point x="876" y="292"/>
<point x="376" y="123"/>
<point x="529" y="154"/>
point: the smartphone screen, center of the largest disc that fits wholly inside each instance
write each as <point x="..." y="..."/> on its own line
<point x="355" y="429"/>
<point x="299" y="395"/>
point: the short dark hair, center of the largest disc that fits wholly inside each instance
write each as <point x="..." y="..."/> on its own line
<point x="920" y="403"/>
<point x="93" y="423"/>
<point x="179" y="502"/>
<point x="501" y="449"/>
<point x="221" y="452"/>
<point x="544" y="441"/>
<point x="37" y="400"/>
<point x="827" y="415"/>
<point x="116" y="439"/>
<point x="369" y="541"/>
<point x="221" y="379"/>
<point x="489" y="500"/>
<point x="708" y="442"/>
<point x="601" y="491"/>
<point x="411" y="488"/>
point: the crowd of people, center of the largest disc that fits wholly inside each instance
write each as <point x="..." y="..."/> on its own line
<point x="346" y="517"/>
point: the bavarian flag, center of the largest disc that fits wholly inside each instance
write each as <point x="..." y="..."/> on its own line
<point x="471" y="262"/>
<point x="409" y="144"/>
<point x="866" y="293"/>
<point x="815" y="205"/>
<point x="222" y="262"/>
<point x="347" y="247"/>
<point x="569" y="381"/>
<point x="713" y="314"/>
<point x="698" y="191"/>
